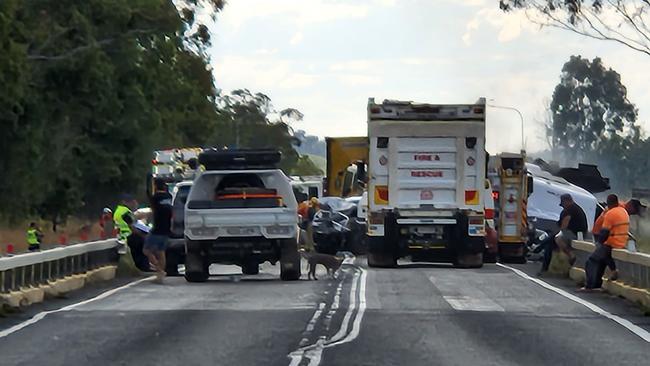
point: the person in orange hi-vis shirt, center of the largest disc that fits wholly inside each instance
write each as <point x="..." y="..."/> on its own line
<point x="613" y="235"/>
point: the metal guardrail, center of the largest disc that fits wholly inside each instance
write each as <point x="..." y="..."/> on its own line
<point x="34" y="269"/>
<point x="633" y="267"/>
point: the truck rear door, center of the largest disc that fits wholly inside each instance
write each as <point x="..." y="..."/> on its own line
<point x="424" y="172"/>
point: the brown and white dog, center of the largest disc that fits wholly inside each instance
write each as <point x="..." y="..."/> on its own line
<point x="330" y="262"/>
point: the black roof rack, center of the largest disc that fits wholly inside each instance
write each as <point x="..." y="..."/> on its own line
<point x="240" y="159"/>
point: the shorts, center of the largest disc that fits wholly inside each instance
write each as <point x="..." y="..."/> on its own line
<point x="567" y="235"/>
<point x="156" y="243"/>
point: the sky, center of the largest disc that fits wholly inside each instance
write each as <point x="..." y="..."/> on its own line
<point x="327" y="57"/>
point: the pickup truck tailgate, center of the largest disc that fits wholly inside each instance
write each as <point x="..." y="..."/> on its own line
<point x="272" y="223"/>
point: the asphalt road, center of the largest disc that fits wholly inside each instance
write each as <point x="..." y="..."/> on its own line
<point x="418" y="314"/>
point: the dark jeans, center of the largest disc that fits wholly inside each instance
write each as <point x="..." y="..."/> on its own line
<point x="550" y="246"/>
<point x="596" y="264"/>
<point x="136" y="243"/>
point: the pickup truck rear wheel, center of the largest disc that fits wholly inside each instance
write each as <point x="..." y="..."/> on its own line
<point x="196" y="268"/>
<point x="289" y="260"/>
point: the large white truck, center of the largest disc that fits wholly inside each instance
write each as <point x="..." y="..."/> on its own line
<point x="427" y="175"/>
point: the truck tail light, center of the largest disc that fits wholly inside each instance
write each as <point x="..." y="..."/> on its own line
<point x="376" y="218"/>
<point x="495" y="195"/>
<point x="381" y="195"/>
<point x="471" y="197"/>
<point x="489" y="213"/>
<point x="476" y="220"/>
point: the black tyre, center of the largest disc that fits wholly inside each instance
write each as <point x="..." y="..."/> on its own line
<point x="381" y="260"/>
<point x="196" y="268"/>
<point x="489" y="257"/>
<point x="250" y="268"/>
<point x="464" y="260"/>
<point x="289" y="260"/>
<point x="196" y="276"/>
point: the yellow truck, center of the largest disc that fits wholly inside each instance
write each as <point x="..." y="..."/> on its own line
<point x="346" y="166"/>
<point x="512" y="185"/>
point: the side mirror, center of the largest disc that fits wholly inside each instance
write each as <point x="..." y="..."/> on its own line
<point x="529" y="185"/>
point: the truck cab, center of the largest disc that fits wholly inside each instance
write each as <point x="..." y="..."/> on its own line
<point x="427" y="170"/>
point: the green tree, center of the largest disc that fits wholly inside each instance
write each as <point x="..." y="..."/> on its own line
<point x="589" y="107"/>
<point x="249" y="120"/>
<point x="622" y="21"/>
<point x="305" y="166"/>
<point x="592" y="120"/>
<point x="93" y="87"/>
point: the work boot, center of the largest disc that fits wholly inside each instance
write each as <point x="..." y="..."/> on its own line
<point x="613" y="276"/>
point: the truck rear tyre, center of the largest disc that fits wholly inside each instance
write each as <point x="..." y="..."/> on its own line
<point x="513" y="259"/>
<point x="489" y="257"/>
<point x="289" y="260"/>
<point x="465" y="260"/>
<point x="250" y="268"/>
<point x="381" y="260"/>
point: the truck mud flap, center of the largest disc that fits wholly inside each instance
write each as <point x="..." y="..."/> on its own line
<point x="463" y="243"/>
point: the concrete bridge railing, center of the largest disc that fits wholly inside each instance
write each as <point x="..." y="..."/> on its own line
<point x="633" y="280"/>
<point x="28" y="278"/>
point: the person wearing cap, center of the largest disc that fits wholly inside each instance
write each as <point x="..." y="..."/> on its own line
<point x="633" y="207"/>
<point x="128" y="233"/>
<point x="123" y="217"/>
<point x="573" y="220"/>
<point x="613" y="235"/>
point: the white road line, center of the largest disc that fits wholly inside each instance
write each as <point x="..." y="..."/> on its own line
<point x="356" y="325"/>
<point x="351" y="308"/>
<point x="38" y="317"/>
<point x="314" y="319"/>
<point x="468" y="303"/>
<point x="465" y="297"/>
<point x="314" y="352"/>
<point x="640" y="332"/>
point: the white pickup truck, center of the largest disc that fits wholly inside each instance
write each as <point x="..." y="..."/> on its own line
<point x="241" y="210"/>
<point x="427" y="175"/>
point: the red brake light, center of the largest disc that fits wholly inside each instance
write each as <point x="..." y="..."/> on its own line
<point x="489" y="213"/>
<point x="495" y="195"/>
<point x="478" y="110"/>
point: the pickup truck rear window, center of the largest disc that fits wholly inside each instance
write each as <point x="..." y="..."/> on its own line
<point x="236" y="203"/>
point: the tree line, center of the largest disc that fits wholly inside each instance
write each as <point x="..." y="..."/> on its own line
<point x="90" y="88"/>
<point x="590" y="117"/>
